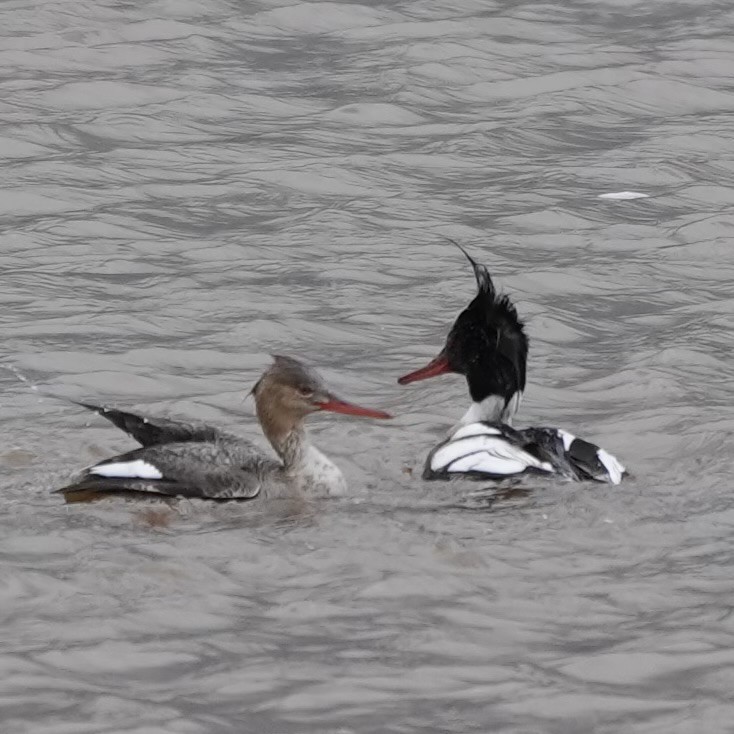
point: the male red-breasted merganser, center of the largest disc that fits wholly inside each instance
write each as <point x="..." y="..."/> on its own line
<point x="487" y="344"/>
<point x="196" y="460"/>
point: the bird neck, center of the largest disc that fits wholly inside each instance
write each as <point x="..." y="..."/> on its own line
<point x="292" y="447"/>
<point x="492" y="409"/>
<point x="304" y="465"/>
<point x="284" y="430"/>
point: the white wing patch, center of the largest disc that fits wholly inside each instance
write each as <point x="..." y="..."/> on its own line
<point x="489" y="453"/>
<point x="568" y="438"/>
<point x="137" y="469"/>
<point x="612" y="465"/>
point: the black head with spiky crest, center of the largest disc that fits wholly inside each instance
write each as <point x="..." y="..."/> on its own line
<point x="487" y="344"/>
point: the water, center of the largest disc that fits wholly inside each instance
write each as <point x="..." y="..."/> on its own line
<point x="187" y="187"/>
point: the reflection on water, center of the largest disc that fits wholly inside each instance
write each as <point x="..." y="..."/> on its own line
<point x="188" y="189"/>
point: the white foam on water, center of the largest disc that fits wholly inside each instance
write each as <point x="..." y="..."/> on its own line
<point x="623" y="195"/>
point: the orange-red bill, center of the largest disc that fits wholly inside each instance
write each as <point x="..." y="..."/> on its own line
<point x="438" y="366"/>
<point x="335" y="405"/>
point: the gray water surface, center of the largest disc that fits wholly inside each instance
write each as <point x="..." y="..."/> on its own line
<point x="188" y="187"/>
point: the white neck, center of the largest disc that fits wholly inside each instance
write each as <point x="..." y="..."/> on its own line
<point x="492" y="410"/>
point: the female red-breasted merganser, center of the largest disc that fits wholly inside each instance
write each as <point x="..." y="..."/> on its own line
<point x="487" y="344"/>
<point x="196" y="460"/>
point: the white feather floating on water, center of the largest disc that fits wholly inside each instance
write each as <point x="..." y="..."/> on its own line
<point x="623" y="195"/>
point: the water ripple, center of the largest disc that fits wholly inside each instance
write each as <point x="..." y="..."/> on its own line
<point x="189" y="188"/>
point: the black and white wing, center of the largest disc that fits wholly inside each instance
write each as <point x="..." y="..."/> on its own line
<point x="188" y="469"/>
<point x="483" y="451"/>
<point x="155" y="431"/>
<point x="588" y="460"/>
<point x="497" y="451"/>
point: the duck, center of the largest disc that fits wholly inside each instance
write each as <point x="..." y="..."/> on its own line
<point x="488" y="345"/>
<point x="195" y="460"/>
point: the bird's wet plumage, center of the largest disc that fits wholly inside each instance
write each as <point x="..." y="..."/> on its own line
<point x="181" y="459"/>
<point x="488" y="345"/>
